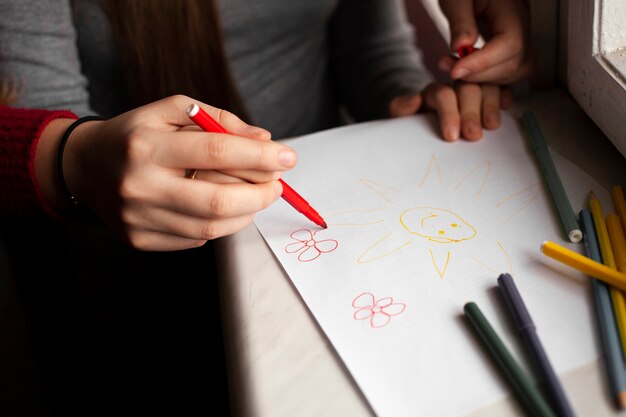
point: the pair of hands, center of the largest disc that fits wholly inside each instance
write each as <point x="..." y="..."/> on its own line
<point x="479" y="92"/>
<point x="130" y="170"/>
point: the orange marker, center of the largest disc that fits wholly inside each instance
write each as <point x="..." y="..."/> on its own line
<point x="620" y="204"/>
<point x="209" y="124"/>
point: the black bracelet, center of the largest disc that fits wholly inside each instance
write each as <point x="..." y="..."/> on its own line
<point x="62" y="144"/>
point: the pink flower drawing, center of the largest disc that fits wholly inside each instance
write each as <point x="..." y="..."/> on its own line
<point x="307" y="247"/>
<point x="378" y="312"/>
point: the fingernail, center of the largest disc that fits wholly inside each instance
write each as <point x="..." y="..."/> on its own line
<point x="452" y="133"/>
<point x="491" y="121"/>
<point x="287" y="158"/>
<point x="461" y="72"/>
<point x="474" y="131"/>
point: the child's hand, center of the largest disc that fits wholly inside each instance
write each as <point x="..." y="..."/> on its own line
<point x="464" y="110"/>
<point x="506" y="56"/>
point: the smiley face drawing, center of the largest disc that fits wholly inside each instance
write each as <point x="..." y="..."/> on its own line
<point x="436" y="224"/>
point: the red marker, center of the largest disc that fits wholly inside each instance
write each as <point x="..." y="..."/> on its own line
<point x="465" y="50"/>
<point x="209" y="124"/>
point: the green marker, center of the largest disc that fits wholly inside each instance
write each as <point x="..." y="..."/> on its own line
<point x="551" y="176"/>
<point x="527" y="393"/>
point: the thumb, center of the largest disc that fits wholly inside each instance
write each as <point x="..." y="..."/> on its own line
<point x="460" y="15"/>
<point x="405" y="105"/>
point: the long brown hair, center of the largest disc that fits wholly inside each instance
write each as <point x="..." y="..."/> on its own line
<point x="173" y="47"/>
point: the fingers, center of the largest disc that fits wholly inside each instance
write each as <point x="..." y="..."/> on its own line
<point x="465" y="110"/>
<point x="249" y="155"/>
<point x="506" y="98"/>
<point x="246" y="147"/>
<point x="496" y="63"/>
<point x="177" y="238"/>
<point x="506" y="56"/>
<point x="235" y="125"/>
<point x="218" y="151"/>
<point x="501" y="48"/>
<point x="469" y="96"/>
<point x="231" y="177"/>
<point x="171" y="112"/>
<point x="137" y="163"/>
<point x="183" y="213"/>
<point x="490" y="107"/>
<point x="254" y="176"/>
<point x="460" y="15"/>
<point x="220" y="177"/>
<point x="213" y="200"/>
<point x="161" y="242"/>
<point x="446" y="63"/>
<point x="205" y="229"/>
<point x="405" y="105"/>
<point x="443" y="100"/>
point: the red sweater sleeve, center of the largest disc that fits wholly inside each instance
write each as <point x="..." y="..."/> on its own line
<point x="20" y="130"/>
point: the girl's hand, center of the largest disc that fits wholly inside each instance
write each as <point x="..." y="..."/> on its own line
<point x="130" y="171"/>
<point x="464" y="110"/>
<point x="507" y="55"/>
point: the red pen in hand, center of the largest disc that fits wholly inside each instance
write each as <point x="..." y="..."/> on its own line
<point x="209" y="124"/>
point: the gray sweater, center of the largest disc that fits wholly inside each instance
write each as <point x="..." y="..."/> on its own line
<point x="296" y="62"/>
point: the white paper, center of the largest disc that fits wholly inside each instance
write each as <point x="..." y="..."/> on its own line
<point x="417" y="228"/>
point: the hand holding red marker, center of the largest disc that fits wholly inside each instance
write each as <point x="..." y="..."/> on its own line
<point x="501" y="28"/>
<point x="209" y="124"/>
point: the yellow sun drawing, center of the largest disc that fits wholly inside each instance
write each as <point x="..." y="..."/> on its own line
<point x="442" y="231"/>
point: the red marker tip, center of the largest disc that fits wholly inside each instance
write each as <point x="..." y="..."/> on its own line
<point x="465" y="50"/>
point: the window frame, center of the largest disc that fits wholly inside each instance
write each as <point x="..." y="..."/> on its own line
<point x="595" y="62"/>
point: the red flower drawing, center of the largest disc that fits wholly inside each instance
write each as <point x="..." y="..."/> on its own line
<point x="378" y="312"/>
<point x="309" y="248"/>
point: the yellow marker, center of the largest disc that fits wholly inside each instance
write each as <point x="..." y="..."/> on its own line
<point x="617" y="297"/>
<point x="585" y="265"/>
<point x="618" y="241"/>
<point x="620" y="204"/>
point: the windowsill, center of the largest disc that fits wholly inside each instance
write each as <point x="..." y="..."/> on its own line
<point x="615" y="64"/>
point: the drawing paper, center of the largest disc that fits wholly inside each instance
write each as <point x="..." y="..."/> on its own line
<point x="417" y="228"/>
